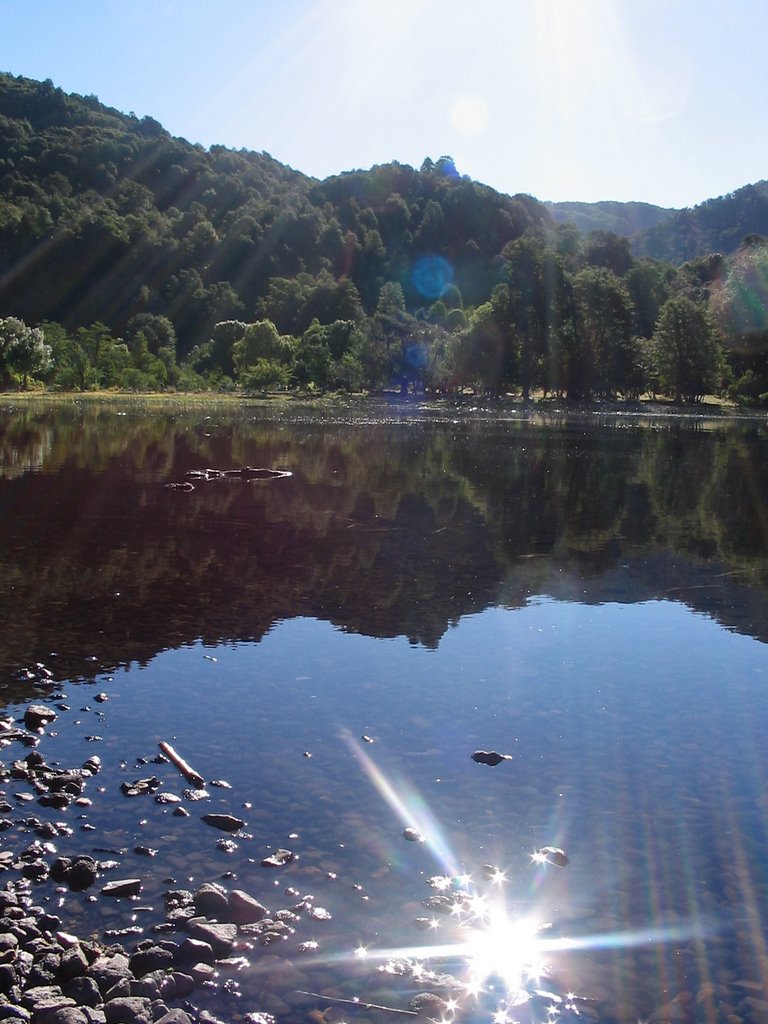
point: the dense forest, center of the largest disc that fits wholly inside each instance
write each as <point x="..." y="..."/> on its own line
<point x="131" y="259"/>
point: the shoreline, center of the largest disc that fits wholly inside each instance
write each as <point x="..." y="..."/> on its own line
<point x="484" y="406"/>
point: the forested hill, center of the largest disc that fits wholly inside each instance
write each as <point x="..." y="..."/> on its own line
<point x="145" y="262"/>
<point x="104" y="216"/>
<point x="620" y="218"/>
<point x="717" y="225"/>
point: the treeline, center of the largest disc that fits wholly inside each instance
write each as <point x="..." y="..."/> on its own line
<point x="130" y="259"/>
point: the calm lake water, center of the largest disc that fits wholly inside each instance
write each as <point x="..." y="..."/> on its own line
<point x="587" y="594"/>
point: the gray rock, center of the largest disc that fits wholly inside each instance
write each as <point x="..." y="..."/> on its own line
<point x="13" y="1013"/>
<point x="185" y="984"/>
<point x="211" y="900"/>
<point x="144" y="961"/>
<point x="120" y="990"/>
<point x="38" y="715"/>
<point x="128" y="1010"/>
<point x="226" y="822"/>
<point x="220" y="937"/>
<point x="107" y="970"/>
<point x="84" y="991"/>
<point x="63" y="1015"/>
<point x="194" y="951"/>
<point x="175" y="1016"/>
<point x="244" y="909"/>
<point x="74" y="963"/>
<point x="146" y="987"/>
<point x="122" y="887"/>
<point x="8" y="978"/>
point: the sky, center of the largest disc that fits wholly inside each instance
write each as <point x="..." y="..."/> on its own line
<point x="658" y="101"/>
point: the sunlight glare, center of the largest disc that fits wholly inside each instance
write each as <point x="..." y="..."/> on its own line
<point x="470" y="115"/>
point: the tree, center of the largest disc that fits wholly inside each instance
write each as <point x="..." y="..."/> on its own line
<point x="158" y="332"/>
<point x="264" y="374"/>
<point x="603" y="329"/>
<point x="23" y="350"/>
<point x="687" y="355"/>
<point x="260" y="340"/>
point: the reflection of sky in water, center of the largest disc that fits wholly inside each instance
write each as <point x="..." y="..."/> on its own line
<point x="636" y="734"/>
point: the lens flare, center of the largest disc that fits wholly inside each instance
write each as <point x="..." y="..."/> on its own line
<point x="410" y="807"/>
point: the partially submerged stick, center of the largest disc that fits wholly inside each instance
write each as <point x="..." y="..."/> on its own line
<point x="357" y="1002"/>
<point x="186" y="770"/>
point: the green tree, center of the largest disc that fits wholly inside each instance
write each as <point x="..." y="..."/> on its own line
<point x="264" y="375"/>
<point x="23" y="350"/>
<point x="603" y="325"/>
<point x="261" y="340"/>
<point x="687" y="354"/>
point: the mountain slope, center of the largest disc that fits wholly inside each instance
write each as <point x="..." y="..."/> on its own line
<point x="104" y="216"/>
<point x="717" y="225"/>
<point x="620" y="218"/>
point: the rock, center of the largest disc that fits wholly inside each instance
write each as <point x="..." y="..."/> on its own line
<point x="128" y="1010"/>
<point x="429" y="1005"/>
<point x="122" y="887"/>
<point x="226" y="822"/>
<point x="211" y="900"/>
<point x="553" y="855"/>
<point x="244" y="909"/>
<point x="64" y="1015"/>
<point x="84" y="991"/>
<point x="107" y="971"/>
<point x="38" y="715"/>
<point x="144" y="961"/>
<point x="140" y="787"/>
<point x="413" y="835"/>
<point x="278" y="859"/>
<point x="194" y="951"/>
<point x="82" y="874"/>
<point x="220" y="937"/>
<point x="490" y="757"/>
<point x="175" y="1016"/>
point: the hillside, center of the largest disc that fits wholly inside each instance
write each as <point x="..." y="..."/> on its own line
<point x="620" y="218"/>
<point x="717" y="225"/>
<point x="104" y="216"/>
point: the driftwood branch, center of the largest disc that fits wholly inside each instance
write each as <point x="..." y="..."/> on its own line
<point x="358" y="1003"/>
<point x="186" y="770"/>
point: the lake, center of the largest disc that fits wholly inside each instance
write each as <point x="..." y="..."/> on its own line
<point x="585" y="593"/>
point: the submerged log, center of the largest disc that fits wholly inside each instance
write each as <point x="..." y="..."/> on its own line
<point x="186" y="770"/>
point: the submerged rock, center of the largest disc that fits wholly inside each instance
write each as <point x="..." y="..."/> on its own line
<point x="553" y="855"/>
<point x="491" y="757"/>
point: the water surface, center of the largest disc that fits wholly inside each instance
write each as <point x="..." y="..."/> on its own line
<point x="586" y="594"/>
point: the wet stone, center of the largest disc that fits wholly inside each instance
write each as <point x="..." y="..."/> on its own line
<point x="244" y="909"/>
<point x="413" y="835"/>
<point x="122" y="887"/>
<point x="211" y="900"/>
<point x="490" y="757"/>
<point x="220" y="937"/>
<point x="225" y="822"/>
<point x="37" y="716"/>
<point x="278" y="859"/>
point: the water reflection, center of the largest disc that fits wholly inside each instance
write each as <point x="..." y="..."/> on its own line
<point x="589" y="598"/>
<point x="389" y="528"/>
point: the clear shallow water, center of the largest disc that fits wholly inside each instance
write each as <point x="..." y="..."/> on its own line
<point x="581" y="597"/>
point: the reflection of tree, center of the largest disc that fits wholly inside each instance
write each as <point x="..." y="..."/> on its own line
<point x="387" y="528"/>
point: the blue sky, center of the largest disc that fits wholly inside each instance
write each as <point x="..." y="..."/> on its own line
<point x="662" y="101"/>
